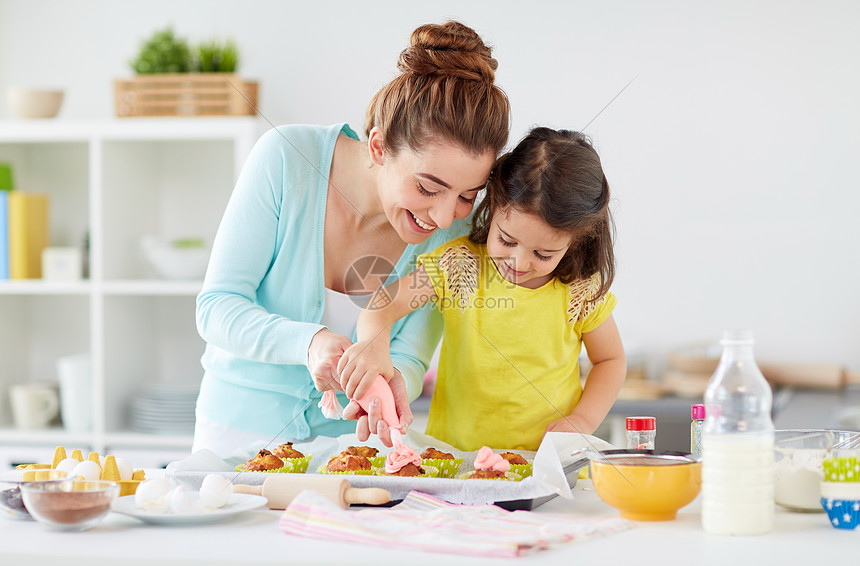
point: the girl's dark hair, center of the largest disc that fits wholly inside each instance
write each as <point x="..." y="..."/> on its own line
<point x="556" y="174"/>
<point x="445" y="92"/>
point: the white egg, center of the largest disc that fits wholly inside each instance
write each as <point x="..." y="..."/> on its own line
<point x="183" y="502"/>
<point x="67" y="465"/>
<point x="125" y="469"/>
<point x="215" y="491"/>
<point x="88" y="470"/>
<point x="152" y="494"/>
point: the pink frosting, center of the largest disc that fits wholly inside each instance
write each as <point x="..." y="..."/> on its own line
<point x="330" y="406"/>
<point x="400" y="455"/>
<point x="487" y="460"/>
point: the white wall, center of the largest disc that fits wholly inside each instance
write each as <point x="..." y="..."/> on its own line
<point x="732" y="154"/>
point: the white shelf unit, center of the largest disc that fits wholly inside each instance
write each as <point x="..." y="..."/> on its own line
<point x="118" y="181"/>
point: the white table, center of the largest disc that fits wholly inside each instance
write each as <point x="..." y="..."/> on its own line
<point x="254" y="538"/>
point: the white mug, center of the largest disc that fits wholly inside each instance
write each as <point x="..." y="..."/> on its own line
<point x="33" y="406"/>
<point x="76" y="397"/>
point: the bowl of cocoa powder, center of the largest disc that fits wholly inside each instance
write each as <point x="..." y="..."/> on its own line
<point x="74" y="506"/>
<point x="11" y="501"/>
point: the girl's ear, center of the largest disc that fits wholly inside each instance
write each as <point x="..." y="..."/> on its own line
<point x="376" y="146"/>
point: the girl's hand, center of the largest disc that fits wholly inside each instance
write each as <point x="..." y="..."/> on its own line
<point x="372" y="421"/>
<point x="570" y="423"/>
<point x="325" y="350"/>
<point x="361" y="363"/>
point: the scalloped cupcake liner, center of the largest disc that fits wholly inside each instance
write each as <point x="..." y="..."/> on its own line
<point x="447" y="468"/>
<point x="842" y="469"/>
<point x="291" y="466"/>
<point x="371" y="472"/>
<point x="843" y="513"/>
<point x="523" y="470"/>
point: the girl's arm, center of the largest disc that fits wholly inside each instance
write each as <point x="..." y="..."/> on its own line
<point x="370" y="355"/>
<point x="605" y="379"/>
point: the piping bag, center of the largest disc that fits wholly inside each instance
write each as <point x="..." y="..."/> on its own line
<point x="380" y="389"/>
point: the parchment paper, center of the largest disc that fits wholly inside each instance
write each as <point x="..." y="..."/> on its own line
<point x="557" y="450"/>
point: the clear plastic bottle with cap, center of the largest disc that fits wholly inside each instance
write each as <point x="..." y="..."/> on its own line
<point x="737" y="444"/>
<point x="641" y="432"/>
<point x="697" y="423"/>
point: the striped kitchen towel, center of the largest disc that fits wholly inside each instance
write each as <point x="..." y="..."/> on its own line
<point x="422" y="522"/>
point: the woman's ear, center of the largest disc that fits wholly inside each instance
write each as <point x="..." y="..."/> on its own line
<point x="376" y="146"/>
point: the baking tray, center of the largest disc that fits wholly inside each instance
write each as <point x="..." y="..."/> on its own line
<point x="571" y="472"/>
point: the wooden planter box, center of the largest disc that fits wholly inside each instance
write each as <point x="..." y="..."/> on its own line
<point x="185" y="94"/>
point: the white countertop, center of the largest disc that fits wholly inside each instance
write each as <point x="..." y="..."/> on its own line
<point x="254" y="538"/>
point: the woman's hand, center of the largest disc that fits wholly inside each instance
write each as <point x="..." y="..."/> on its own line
<point x="372" y="420"/>
<point x="325" y="350"/>
<point x="362" y="362"/>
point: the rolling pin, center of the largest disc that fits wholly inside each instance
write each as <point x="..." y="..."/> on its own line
<point x="279" y="491"/>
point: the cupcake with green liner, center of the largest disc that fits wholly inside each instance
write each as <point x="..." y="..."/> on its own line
<point x="447" y="464"/>
<point x="403" y="461"/>
<point x="519" y="465"/>
<point x="263" y="461"/>
<point x="491" y="466"/>
<point x="345" y="463"/>
<point x="840" y="491"/>
<point x="296" y="462"/>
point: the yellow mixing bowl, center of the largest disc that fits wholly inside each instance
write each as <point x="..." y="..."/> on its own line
<point x="645" y="486"/>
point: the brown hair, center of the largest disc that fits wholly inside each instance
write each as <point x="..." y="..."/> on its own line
<point x="445" y="92"/>
<point x="557" y="175"/>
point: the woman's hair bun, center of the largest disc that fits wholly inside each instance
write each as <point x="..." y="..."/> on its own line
<point x="451" y="49"/>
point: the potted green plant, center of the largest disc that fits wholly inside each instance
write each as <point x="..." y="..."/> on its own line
<point x="175" y="79"/>
<point x="216" y="57"/>
<point x="163" y="52"/>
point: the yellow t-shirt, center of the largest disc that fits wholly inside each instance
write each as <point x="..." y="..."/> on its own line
<point x="509" y="360"/>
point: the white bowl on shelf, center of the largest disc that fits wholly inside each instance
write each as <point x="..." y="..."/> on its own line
<point x="34" y="102"/>
<point x="177" y="260"/>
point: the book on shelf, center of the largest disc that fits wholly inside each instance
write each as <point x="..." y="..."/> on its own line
<point x="28" y="226"/>
<point x="4" y="234"/>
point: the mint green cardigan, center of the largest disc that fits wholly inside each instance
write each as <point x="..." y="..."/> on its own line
<point x="262" y="298"/>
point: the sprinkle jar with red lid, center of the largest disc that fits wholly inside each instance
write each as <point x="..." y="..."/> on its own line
<point x="641" y="432"/>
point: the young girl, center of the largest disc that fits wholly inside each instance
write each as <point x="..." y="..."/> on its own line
<point x="520" y="296"/>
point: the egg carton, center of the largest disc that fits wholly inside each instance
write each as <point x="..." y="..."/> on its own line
<point x="107" y="471"/>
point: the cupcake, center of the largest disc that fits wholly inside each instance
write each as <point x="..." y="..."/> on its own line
<point x="348" y="463"/>
<point x="446" y="463"/>
<point x="514" y="458"/>
<point x="376" y="459"/>
<point x="405" y="462"/>
<point x="490" y="466"/>
<point x="263" y="461"/>
<point x="286" y="451"/>
<point x="294" y="461"/>
<point x="519" y="465"/>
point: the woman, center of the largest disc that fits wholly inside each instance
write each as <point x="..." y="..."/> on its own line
<point x="315" y="213"/>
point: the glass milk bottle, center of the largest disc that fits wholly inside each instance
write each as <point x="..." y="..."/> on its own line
<point x="737" y="444"/>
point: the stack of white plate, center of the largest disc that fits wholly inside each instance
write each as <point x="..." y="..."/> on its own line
<point x="164" y="409"/>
